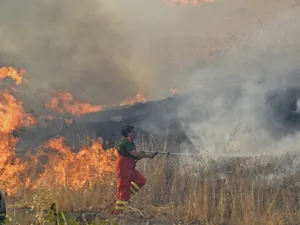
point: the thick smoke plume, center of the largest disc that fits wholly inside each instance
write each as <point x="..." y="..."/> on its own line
<point x="66" y="46"/>
<point x="104" y="51"/>
<point x="248" y="102"/>
<point x="230" y="54"/>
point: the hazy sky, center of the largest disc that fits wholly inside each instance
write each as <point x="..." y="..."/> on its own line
<point x="104" y="51"/>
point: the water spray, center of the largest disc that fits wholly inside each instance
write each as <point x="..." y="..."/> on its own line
<point x="173" y="153"/>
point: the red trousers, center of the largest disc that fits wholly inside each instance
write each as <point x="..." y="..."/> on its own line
<point x="130" y="180"/>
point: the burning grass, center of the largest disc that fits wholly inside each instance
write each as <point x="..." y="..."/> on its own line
<point x="65" y="102"/>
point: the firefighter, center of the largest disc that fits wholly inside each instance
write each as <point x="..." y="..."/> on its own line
<point x="130" y="181"/>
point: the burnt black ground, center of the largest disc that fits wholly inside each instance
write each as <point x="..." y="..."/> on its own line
<point x="160" y="120"/>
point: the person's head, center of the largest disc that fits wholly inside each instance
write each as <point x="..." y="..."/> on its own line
<point x="128" y="131"/>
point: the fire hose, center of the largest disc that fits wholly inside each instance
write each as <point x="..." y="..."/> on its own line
<point x="218" y="155"/>
<point x="173" y="153"/>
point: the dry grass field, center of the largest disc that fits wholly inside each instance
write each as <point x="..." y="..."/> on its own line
<point x="255" y="190"/>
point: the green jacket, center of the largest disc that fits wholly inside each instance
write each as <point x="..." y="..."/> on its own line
<point x="125" y="146"/>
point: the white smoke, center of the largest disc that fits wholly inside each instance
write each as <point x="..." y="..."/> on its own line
<point x="229" y="108"/>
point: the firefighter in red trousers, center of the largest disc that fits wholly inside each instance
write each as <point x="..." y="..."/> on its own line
<point x="130" y="181"/>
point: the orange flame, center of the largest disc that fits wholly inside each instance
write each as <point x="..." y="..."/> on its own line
<point x="75" y="170"/>
<point x="54" y="164"/>
<point x="187" y="2"/>
<point x="11" y="110"/>
<point x="12" y="114"/>
<point x="64" y="167"/>
<point x="130" y="101"/>
<point x="64" y="102"/>
<point x="13" y="74"/>
<point x="11" y="167"/>
<point x="174" y="91"/>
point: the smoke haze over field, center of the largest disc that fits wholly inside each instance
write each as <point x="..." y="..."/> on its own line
<point x="233" y="51"/>
<point x="234" y="113"/>
<point x="93" y="48"/>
